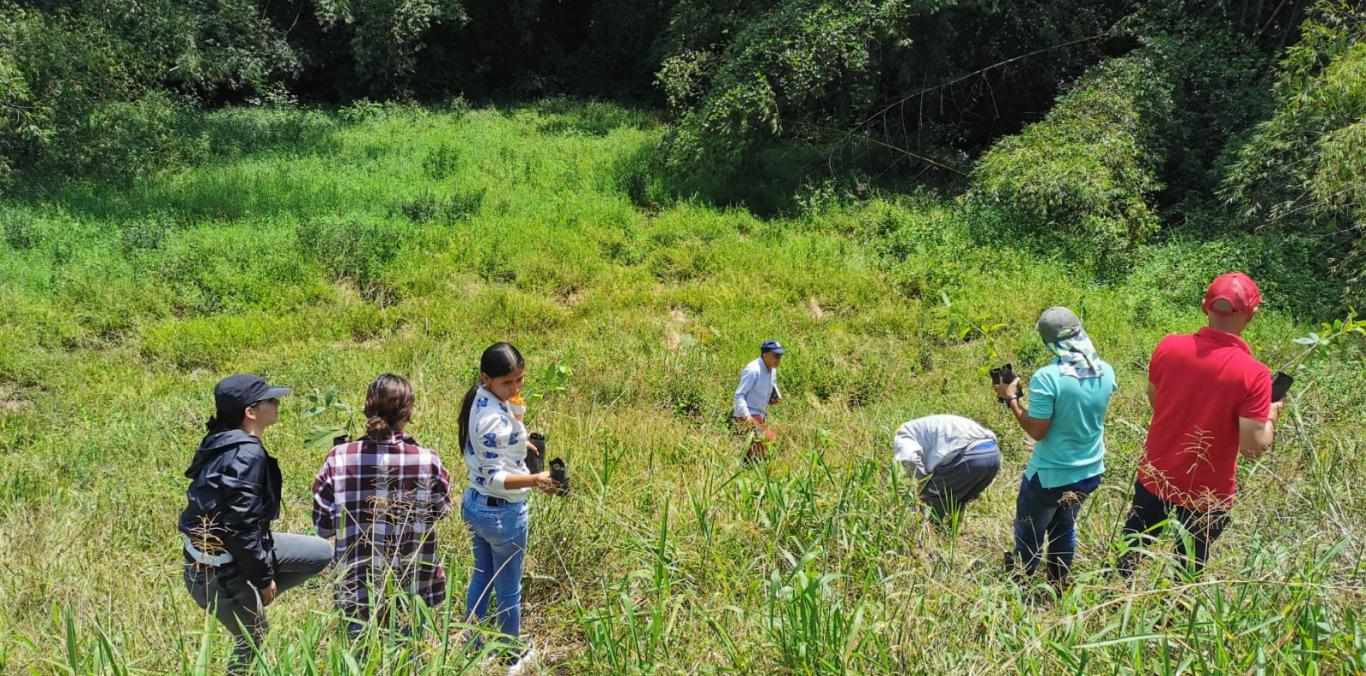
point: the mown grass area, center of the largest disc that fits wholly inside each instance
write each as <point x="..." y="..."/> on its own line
<point x="322" y="249"/>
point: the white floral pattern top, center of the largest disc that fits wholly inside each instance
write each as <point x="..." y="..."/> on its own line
<point x="497" y="447"/>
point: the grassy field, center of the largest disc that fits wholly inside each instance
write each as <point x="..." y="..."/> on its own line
<point x="320" y="249"/>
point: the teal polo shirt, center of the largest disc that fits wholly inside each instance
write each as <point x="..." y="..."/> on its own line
<point x="1074" y="448"/>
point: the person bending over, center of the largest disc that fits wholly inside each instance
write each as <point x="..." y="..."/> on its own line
<point x="954" y="459"/>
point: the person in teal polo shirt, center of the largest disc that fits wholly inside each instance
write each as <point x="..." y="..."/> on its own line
<point x="1066" y="417"/>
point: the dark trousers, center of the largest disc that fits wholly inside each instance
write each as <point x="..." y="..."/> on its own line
<point x="952" y="485"/>
<point x="1049" y="516"/>
<point x="1148" y="513"/>
<point x="237" y="605"/>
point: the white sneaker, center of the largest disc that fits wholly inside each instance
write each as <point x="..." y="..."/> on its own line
<point x="522" y="663"/>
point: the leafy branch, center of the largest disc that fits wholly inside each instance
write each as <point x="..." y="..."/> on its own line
<point x="324" y="433"/>
<point x="1327" y="333"/>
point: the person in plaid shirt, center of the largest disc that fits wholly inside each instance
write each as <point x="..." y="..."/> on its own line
<point x="381" y="497"/>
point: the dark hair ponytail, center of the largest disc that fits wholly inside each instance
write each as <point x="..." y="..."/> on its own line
<point x="388" y="402"/>
<point x="498" y="360"/>
<point x="222" y="420"/>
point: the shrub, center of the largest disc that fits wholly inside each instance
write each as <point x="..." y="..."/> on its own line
<point x="205" y="267"/>
<point x="355" y="247"/>
<point x="22" y="230"/>
<point x="387" y="34"/>
<point x="144" y="234"/>
<point x="89" y="84"/>
<point x="123" y="139"/>
<point x="442" y="162"/>
<point x="211" y="342"/>
<point x="1304" y="169"/>
<point x="1082" y="180"/>
<point x="235" y="132"/>
<point x="637" y="175"/>
<point x="455" y="206"/>
<point x="811" y="59"/>
<point x="1175" y="274"/>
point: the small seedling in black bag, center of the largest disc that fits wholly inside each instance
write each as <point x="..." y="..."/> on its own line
<point x="535" y="460"/>
<point x="560" y="475"/>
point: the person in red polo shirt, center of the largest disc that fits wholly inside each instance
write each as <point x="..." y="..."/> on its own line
<point x="1211" y="401"/>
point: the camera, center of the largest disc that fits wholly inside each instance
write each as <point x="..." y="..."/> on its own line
<point x="535" y="463"/>
<point x="1003" y="375"/>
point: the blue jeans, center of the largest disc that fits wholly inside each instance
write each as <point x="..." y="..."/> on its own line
<point x="499" y="536"/>
<point x="1052" y="513"/>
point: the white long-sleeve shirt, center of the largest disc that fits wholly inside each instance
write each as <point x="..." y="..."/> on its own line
<point x="497" y="447"/>
<point x="758" y="386"/>
<point x="921" y="444"/>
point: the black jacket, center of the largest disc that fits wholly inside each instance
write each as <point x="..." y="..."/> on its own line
<point x="234" y="494"/>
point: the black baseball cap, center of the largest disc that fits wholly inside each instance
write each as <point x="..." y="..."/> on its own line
<point x="238" y="392"/>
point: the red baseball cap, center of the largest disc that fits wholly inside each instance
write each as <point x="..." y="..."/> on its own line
<point x="1238" y="292"/>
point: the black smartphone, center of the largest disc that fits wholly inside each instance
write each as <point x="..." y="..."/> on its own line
<point x="1281" y="385"/>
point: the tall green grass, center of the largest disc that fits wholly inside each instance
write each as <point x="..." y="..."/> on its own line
<point x="321" y="249"/>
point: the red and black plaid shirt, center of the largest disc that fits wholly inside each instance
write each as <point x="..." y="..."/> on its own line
<point x="382" y="501"/>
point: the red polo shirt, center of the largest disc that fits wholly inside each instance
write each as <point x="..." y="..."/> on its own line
<point x="1205" y="382"/>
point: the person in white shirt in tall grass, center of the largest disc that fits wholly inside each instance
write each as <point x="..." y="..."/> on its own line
<point x="953" y="459"/>
<point x="757" y="391"/>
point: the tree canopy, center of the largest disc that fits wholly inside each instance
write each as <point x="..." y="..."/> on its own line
<point x="1105" y="124"/>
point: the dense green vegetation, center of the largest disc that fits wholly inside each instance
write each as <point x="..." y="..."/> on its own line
<point x="321" y="249"/>
<point x="640" y="192"/>
<point x="1191" y="120"/>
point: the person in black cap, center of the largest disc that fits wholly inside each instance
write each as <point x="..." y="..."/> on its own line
<point x="757" y="391"/>
<point x="234" y="565"/>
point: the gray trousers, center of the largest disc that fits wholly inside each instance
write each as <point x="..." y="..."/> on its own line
<point x="955" y="483"/>
<point x="238" y="606"/>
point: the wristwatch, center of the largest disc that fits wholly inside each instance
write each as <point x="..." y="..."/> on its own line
<point x="1007" y="400"/>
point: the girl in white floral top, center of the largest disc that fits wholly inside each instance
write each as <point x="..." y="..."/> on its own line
<point x="495" y="445"/>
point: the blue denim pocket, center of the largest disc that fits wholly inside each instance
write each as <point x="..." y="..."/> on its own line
<point x="512" y="524"/>
<point x="497" y="525"/>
